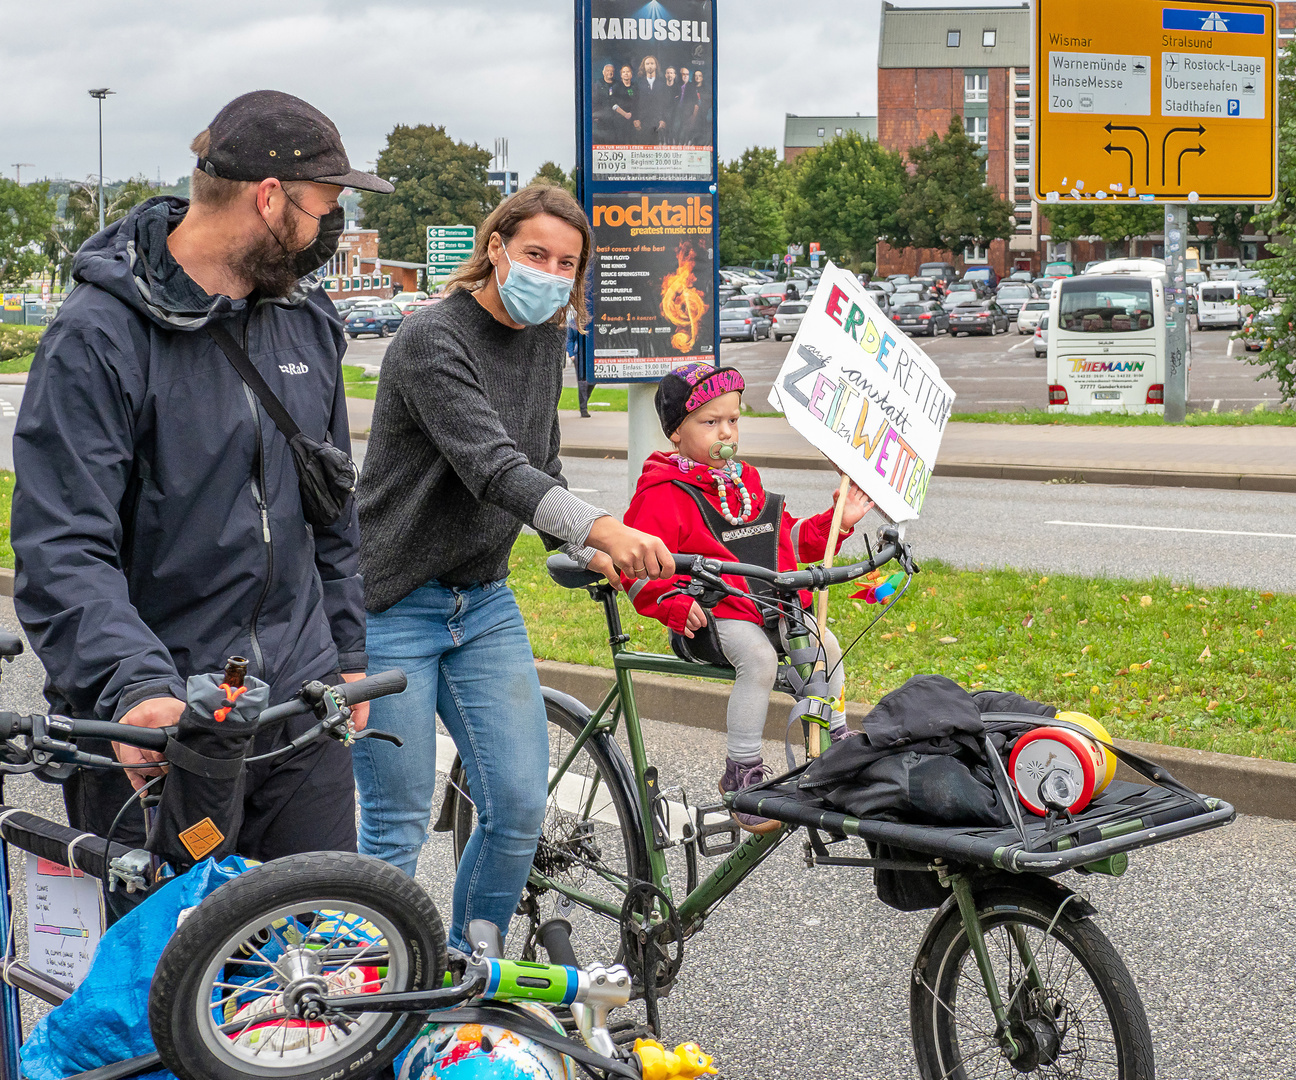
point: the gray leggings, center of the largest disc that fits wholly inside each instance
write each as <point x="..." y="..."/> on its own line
<point x="756" y="662"/>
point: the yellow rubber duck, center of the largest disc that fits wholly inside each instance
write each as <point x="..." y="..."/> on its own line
<point x="686" y="1062"/>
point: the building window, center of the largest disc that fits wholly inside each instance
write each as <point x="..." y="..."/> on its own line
<point x="838" y="133"/>
<point x="976" y="87"/>
<point x="974" y="253"/>
<point x="821" y="133"/>
<point x="952" y="38"/>
<point x="987" y="39"/>
<point x="346" y="285"/>
<point x="386" y="279"/>
<point x="977" y="128"/>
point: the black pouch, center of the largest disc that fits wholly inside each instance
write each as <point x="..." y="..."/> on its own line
<point x="906" y="890"/>
<point x="326" y="476"/>
<point x="201" y="809"/>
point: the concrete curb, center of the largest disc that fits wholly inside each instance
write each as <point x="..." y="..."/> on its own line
<point x="6" y="582"/>
<point x="1252" y="785"/>
<point x="995" y="471"/>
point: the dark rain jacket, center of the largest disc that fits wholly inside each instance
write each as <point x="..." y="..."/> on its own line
<point x="157" y="523"/>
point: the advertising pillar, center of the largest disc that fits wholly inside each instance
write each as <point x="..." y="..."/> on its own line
<point x="646" y="125"/>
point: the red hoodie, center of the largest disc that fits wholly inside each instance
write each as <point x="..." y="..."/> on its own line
<point x="660" y="508"/>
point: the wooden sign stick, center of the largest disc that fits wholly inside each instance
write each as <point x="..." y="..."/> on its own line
<point x="829" y="551"/>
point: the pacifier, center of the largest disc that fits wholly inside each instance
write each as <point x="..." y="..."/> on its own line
<point x="722" y="451"/>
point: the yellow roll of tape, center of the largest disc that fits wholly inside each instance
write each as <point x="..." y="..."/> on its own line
<point x="1109" y="759"/>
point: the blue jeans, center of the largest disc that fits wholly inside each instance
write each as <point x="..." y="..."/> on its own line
<point x="468" y="659"/>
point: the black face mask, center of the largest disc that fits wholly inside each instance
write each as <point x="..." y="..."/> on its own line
<point x="325" y="245"/>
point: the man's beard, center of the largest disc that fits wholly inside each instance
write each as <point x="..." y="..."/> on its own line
<point x="269" y="264"/>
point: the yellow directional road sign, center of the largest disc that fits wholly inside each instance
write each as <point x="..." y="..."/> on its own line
<point x="1162" y="101"/>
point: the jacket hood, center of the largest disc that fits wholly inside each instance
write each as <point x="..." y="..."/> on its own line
<point x="130" y="260"/>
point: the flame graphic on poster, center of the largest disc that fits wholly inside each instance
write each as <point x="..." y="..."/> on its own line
<point x="682" y="303"/>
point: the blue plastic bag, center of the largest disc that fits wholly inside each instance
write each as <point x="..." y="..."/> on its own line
<point x="106" y="1018"/>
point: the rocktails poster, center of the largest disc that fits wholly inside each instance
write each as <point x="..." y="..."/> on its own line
<point x="654" y="284"/>
<point x="651" y="89"/>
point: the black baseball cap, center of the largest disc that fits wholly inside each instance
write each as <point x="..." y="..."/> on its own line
<point x="268" y="133"/>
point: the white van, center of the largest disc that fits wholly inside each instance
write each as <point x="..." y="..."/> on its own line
<point x="1107" y="344"/>
<point x="1217" y="304"/>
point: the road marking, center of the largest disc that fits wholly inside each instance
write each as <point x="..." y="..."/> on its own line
<point x="583" y="491"/>
<point x="1215" y="407"/>
<point x="1171" y="528"/>
<point x="7" y="408"/>
<point x="1230" y="348"/>
<point x="1022" y="345"/>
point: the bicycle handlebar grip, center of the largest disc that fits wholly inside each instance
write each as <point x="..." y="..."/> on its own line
<point x="555" y="936"/>
<point x="372" y="686"/>
<point x="145" y="738"/>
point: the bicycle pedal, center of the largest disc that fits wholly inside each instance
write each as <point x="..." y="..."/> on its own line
<point x="705" y="830"/>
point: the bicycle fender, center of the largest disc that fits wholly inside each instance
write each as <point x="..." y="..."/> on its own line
<point x="610" y="746"/>
<point x="1044" y="889"/>
<point x="454" y="781"/>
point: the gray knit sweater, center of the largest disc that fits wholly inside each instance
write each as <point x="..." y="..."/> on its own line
<point x="463" y="451"/>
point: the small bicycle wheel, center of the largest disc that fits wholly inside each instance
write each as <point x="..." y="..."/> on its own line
<point x="226" y="1000"/>
<point x="590" y="844"/>
<point x="1082" y="1016"/>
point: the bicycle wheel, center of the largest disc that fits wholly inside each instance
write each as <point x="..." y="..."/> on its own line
<point x="225" y="999"/>
<point x="590" y="845"/>
<point x="1084" y="1020"/>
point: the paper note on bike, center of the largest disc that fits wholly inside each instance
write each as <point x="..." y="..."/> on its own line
<point x="865" y="395"/>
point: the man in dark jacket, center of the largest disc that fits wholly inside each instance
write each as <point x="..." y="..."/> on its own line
<point x="157" y="519"/>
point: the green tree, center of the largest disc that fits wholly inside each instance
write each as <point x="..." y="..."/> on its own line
<point x="1113" y="222"/>
<point x="26" y="214"/>
<point x="552" y="173"/>
<point x="947" y="203"/>
<point x="758" y="196"/>
<point x="849" y="196"/>
<point x="80" y="218"/>
<point x="438" y="181"/>
<point x="1278" y="357"/>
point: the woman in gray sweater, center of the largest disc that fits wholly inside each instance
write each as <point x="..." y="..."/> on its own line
<point x="463" y="452"/>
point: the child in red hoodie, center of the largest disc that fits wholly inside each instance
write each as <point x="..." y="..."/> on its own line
<point x="701" y="500"/>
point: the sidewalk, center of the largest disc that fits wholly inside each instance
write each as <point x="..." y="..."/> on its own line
<point x="1253" y="458"/>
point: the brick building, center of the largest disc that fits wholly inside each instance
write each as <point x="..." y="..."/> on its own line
<point x="802" y="133"/>
<point x="356" y="269"/>
<point x="937" y="63"/>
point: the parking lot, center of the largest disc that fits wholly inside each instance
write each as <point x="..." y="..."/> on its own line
<point x="1001" y="373"/>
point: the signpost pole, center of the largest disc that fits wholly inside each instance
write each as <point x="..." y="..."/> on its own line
<point x="1176" y="305"/>
<point x="644" y="434"/>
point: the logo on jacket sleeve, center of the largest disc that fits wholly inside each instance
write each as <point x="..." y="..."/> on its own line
<point x="294" y="369"/>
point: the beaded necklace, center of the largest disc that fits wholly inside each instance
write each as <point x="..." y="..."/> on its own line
<point x="732" y="470"/>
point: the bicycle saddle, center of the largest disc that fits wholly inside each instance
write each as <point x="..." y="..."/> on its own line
<point x="10" y="645"/>
<point x="567" y="572"/>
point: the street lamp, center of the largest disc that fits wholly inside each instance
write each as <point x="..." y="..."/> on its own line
<point x="99" y="96"/>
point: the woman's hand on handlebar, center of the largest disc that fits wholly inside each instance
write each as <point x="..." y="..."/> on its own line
<point x="602" y="564"/>
<point x="360" y="710"/>
<point x="636" y="554"/>
<point x="156" y="712"/>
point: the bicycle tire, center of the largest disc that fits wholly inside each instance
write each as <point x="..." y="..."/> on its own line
<point x="615" y="848"/>
<point x="947" y="962"/>
<point x="262" y="913"/>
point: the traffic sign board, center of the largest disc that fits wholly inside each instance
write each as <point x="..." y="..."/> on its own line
<point x="1170" y="101"/>
<point x="448" y="246"/>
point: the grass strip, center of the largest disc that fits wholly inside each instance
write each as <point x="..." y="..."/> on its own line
<point x="357" y="383"/>
<point x="601" y="399"/>
<point x="1209" y="668"/>
<point x="1280" y="417"/>
<point x="19" y="366"/>
<point x="6" y="502"/>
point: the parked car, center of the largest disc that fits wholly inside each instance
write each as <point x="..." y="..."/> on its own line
<point x="787" y="320"/>
<point x="879" y="297"/>
<point x="741" y="319"/>
<point x="938" y="271"/>
<point x="763" y="297"/>
<point x="887" y="287"/>
<point x="1041" y="336"/>
<point x="1259" y="330"/>
<point x="897" y="279"/>
<point x="978" y="317"/>
<point x="1031" y="313"/>
<point x="922" y="317"/>
<point x="1059" y="268"/>
<point x="1013" y="296"/>
<point x="1044" y="286"/>
<point x="1021" y="275"/>
<point x="382" y="319"/>
<point x="962" y="290"/>
<point x="348" y="304"/>
<point x="983" y="273"/>
<point x="909" y="290"/>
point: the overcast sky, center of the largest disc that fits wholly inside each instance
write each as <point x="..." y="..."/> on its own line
<point x="482" y="68"/>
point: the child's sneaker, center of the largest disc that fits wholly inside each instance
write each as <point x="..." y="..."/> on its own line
<point x="838" y="733"/>
<point x="737" y="777"/>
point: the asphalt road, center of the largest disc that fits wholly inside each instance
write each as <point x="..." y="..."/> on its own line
<point x="1191" y="535"/>
<point x="803" y="973"/>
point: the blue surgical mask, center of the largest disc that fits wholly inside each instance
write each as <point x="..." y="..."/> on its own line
<point x="532" y="296"/>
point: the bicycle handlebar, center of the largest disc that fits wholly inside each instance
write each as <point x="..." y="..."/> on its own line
<point x="814" y="577"/>
<point x="54" y="733"/>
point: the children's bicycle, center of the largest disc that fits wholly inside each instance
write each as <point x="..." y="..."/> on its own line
<point x="1013" y="971"/>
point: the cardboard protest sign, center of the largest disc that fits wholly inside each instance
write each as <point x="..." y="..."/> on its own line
<point x="865" y="395"/>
